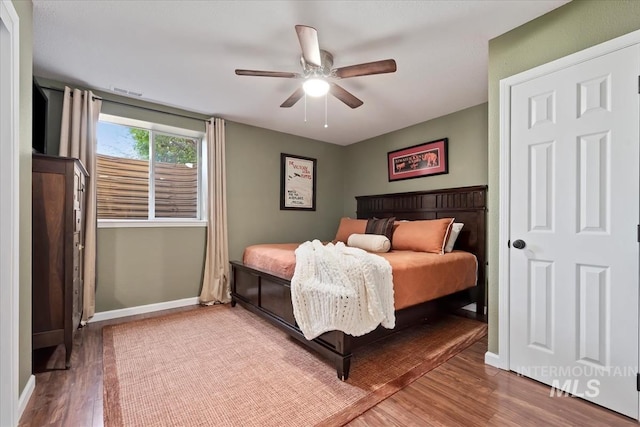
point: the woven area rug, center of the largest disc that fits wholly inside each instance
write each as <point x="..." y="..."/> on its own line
<point x="225" y="366"/>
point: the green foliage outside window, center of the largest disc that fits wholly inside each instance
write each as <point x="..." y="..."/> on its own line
<point x="168" y="148"/>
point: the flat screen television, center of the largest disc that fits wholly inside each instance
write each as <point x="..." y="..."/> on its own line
<point x="39" y="119"/>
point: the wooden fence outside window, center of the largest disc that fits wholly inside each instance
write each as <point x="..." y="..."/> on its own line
<point x="123" y="189"/>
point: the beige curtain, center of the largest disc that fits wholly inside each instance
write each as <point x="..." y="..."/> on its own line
<point x="215" y="286"/>
<point x="80" y="112"/>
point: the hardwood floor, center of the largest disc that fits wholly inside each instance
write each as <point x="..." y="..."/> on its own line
<point x="462" y="392"/>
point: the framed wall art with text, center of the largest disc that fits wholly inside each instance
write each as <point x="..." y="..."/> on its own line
<point x="426" y="159"/>
<point x="297" y="182"/>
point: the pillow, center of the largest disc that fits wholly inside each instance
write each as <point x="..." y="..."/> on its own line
<point x="423" y="236"/>
<point x="348" y="227"/>
<point x="370" y="242"/>
<point x="455" y="230"/>
<point x="383" y="226"/>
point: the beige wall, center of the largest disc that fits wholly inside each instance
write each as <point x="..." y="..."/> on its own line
<point x="366" y="162"/>
<point x="25" y="16"/>
<point x="568" y="29"/>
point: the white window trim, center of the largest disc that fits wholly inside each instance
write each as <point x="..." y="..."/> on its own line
<point x="150" y="223"/>
<point x="124" y="121"/>
<point x="202" y="194"/>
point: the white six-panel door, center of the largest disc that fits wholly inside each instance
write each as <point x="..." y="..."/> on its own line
<point x="575" y="206"/>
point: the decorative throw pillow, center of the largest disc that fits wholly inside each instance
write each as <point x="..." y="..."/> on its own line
<point x="349" y="226"/>
<point x="370" y="242"/>
<point x="423" y="236"/>
<point x="453" y="236"/>
<point x="382" y="226"/>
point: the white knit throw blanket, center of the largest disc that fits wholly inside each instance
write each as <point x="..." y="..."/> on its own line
<point x="336" y="287"/>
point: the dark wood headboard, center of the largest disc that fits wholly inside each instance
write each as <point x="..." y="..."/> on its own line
<point x="466" y="204"/>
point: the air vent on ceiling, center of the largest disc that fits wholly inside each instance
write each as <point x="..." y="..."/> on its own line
<point x="126" y="92"/>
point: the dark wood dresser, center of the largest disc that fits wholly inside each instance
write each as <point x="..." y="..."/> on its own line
<point x="57" y="239"/>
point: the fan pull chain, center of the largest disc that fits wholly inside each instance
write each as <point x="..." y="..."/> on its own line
<point x="325" y="111"/>
<point x="305" y="107"/>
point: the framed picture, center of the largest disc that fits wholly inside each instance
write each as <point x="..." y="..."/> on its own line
<point x="297" y="182"/>
<point x="426" y="159"/>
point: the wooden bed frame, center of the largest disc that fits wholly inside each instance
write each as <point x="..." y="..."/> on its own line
<point x="269" y="296"/>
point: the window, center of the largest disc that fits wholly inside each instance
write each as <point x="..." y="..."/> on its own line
<point x="148" y="172"/>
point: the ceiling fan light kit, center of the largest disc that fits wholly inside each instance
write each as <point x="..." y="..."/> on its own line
<point x="315" y="87"/>
<point x="318" y="72"/>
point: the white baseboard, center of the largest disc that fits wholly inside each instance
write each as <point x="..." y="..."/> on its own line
<point x="141" y="309"/>
<point x="25" y="396"/>
<point x="493" y="359"/>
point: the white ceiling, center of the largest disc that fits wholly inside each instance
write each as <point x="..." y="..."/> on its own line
<point x="183" y="54"/>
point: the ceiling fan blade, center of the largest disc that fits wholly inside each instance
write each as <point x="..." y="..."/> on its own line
<point x="308" y="37"/>
<point x="376" y="67"/>
<point x="344" y="96"/>
<point x="267" y="74"/>
<point x="295" y="97"/>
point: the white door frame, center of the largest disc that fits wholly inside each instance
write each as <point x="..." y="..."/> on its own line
<point x="9" y="212"/>
<point x="501" y="360"/>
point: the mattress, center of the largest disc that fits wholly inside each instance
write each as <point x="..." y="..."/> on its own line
<point x="417" y="276"/>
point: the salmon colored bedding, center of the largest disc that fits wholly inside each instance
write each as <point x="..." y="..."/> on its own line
<point x="417" y="276"/>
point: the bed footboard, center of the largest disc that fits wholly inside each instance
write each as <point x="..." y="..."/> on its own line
<point x="269" y="297"/>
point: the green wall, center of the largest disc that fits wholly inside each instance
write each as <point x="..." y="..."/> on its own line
<point x="253" y="188"/>
<point x="146" y="265"/>
<point x="25" y="16"/>
<point x="568" y="29"/>
<point x="138" y="266"/>
<point x="128" y="258"/>
<point x="366" y="171"/>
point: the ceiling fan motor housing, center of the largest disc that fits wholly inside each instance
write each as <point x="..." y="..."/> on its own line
<point x="324" y="70"/>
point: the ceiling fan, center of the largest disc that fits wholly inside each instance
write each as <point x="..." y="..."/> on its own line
<point x="316" y="71"/>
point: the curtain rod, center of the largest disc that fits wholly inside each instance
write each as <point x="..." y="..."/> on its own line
<point x="130" y="105"/>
